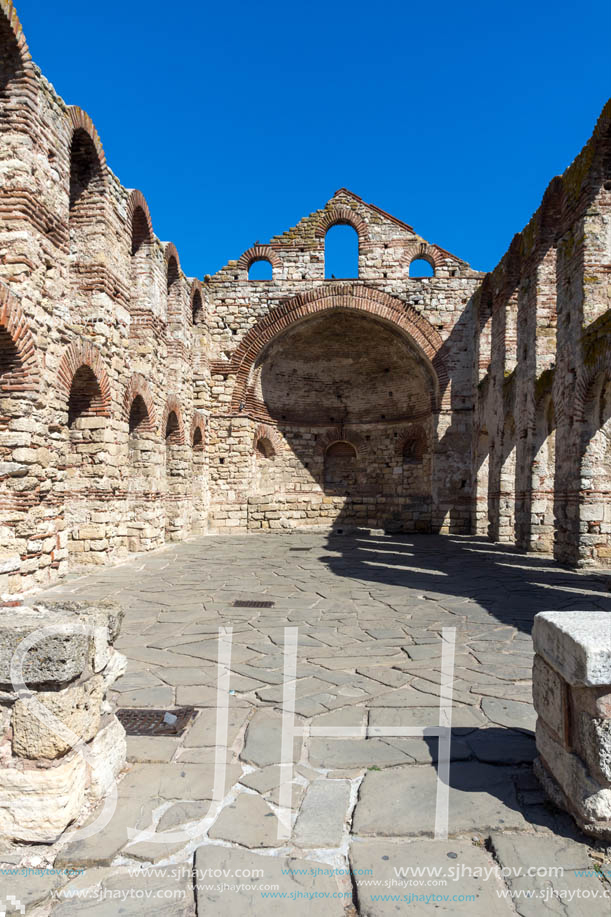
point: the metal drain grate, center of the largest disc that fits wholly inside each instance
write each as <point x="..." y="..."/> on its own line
<point x="300" y="549"/>
<point x="252" y="603"/>
<point x="138" y="722"/>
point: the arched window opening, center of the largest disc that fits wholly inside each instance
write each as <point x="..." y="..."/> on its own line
<point x="197" y="308"/>
<point x="264" y="448"/>
<point x="140" y="231"/>
<point x="85" y="396"/>
<point x="11" y="67"/>
<point x="9" y="359"/>
<point x="173" y="289"/>
<point x="173" y="274"/>
<point x="420" y="267"/>
<point x="341" y="252"/>
<point x="261" y="269"/>
<point x="266" y="468"/>
<point x="198" y="439"/>
<point x="138" y="415"/>
<point x="172" y="430"/>
<point x="85" y="177"/>
<point x="415" y="447"/>
<point x="340" y="467"/>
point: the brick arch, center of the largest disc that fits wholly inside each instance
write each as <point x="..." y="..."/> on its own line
<point x="138" y="385"/>
<point x="196" y="287"/>
<point x="430" y="253"/>
<point x="80" y="120"/>
<point x="138" y="201"/>
<point x="10" y="14"/>
<point x="266" y="431"/>
<point x="339" y="435"/>
<point x="198" y="422"/>
<point x="584" y="389"/>
<point x="259" y="253"/>
<point x="172" y="404"/>
<point x="16" y="325"/>
<point x="550" y="214"/>
<point x="342" y="216"/>
<point x="356" y="299"/>
<point x="171" y="252"/>
<point x="416" y="434"/>
<point x="78" y="354"/>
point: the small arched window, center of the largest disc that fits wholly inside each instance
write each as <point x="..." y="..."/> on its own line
<point x="420" y="267"/>
<point x="85" y="216"/>
<point x="138" y="415"/>
<point x="172" y="274"/>
<point x="172" y="429"/>
<point x="340" y="466"/>
<point x="9" y="357"/>
<point x="197" y="308"/>
<point x="341" y="252"/>
<point x="85" y="396"/>
<point x="140" y="232"/>
<point x="261" y="269"/>
<point x="264" y="449"/>
<point x="198" y="439"/>
<point x="415" y="447"/>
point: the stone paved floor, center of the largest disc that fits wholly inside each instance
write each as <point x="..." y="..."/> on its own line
<point x="369" y="611"/>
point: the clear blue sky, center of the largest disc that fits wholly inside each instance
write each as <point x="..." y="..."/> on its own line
<point x="236" y="119"/>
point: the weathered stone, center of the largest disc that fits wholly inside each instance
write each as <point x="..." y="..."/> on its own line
<point x="322" y="816"/>
<point x="401" y="801"/>
<point x="550" y="698"/>
<point x="576" y="644"/>
<point x="101" y="848"/>
<point x="333" y="753"/>
<point x="300" y="880"/>
<point x="590" y="800"/>
<point x="78" y="708"/>
<point x="116" y="891"/>
<point x="379" y="861"/>
<point x="509" y="713"/>
<point x="37" y="804"/>
<point x="263" y="740"/>
<point x="108" y="752"/>
<point x="557" y="874"/>
<point x="248" y="821"/>
<point x="57" y="658"/>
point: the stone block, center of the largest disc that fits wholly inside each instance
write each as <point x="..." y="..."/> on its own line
<point x="550" y="698"/>
<point x="37" y="804"/>
<point x="591" y="738"/>
<point x="78" y="707"/>
<point x="108" y="753"/>
<point x="588" y="799"/>
<point x="55" y="658"/>
<point x="575" y="643"/>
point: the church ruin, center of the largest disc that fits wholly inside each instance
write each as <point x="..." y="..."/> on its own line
<point x="140" y="406"/>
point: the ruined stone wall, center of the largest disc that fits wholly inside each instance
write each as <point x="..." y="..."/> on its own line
<point x="97" y="339"/>
<point x="278" y="358"/>
<point x="139" y="406"/>
<point x="542" y="440"/>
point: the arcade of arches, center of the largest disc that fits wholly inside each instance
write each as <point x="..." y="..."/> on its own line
<point x="140" y="406"/>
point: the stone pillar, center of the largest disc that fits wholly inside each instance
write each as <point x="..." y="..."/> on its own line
<point x="572" y="697"/>
<point x="45" y="782"/>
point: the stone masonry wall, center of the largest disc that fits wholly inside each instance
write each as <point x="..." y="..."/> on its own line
<point x="542" y="437"/>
